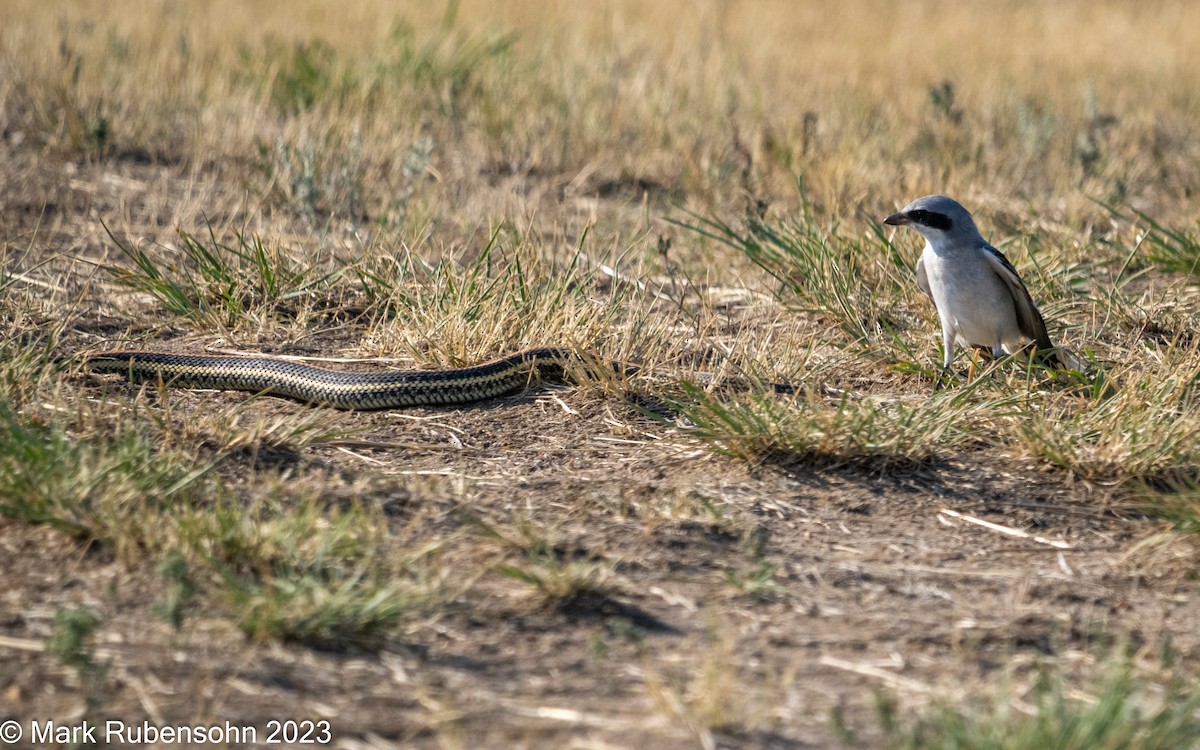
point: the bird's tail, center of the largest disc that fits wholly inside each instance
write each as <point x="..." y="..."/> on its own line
<point x="1065" y="359"/>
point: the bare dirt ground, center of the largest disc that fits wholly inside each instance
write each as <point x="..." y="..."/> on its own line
<point x="746" y="605"/>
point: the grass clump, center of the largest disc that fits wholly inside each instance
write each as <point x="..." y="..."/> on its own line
<point x="99" y="488"/>
<point x="294" y="570"/>
<point x="558" y="575"/>
<point x="1123" y="713"/>
<point x="1147" y="433"/>
<point x="222" y="284"/>
<point x="1170" y="249"/>
<point x="325" y="614"/>
<point x="508" y="294"/>
<point x="445" y="65"/>
<point x="822" y="271"/>
<point x="305" y="73"/>
<point x="768" y="427"/>
<point x="284" y="569"/>
<point x="557" y="579"/>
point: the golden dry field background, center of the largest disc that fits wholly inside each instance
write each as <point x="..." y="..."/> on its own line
<point x="653" y="559"/>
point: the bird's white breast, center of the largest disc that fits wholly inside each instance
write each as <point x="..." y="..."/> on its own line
<point x="969" y="297"/>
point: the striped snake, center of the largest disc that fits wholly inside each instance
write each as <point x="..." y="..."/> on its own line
<point x="346" y="390"/>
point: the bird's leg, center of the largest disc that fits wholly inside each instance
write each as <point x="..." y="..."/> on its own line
<point x="972" y="368"/>
<point x="947" y="355"/>
<point x="937" y="384"/>
<point x="995" y="353"/>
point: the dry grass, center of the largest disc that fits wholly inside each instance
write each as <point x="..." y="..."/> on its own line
<point x="632" y="560"/>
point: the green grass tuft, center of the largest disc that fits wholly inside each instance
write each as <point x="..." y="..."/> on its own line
<point x="858" y="283"/>
<point x="1123" y="713"/>
<point x="349" y="613"/>
<point x="770" y="428"/>
<point x="221" y="285"/>
<point x="96" y="489"/>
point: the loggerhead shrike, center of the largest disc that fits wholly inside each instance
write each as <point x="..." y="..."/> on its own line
<point x="979" y="296"/>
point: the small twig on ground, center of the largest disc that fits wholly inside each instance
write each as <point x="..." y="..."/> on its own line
<point x="1007" y="530"/>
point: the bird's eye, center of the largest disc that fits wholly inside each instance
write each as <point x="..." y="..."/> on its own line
<point x="931" y="219"/>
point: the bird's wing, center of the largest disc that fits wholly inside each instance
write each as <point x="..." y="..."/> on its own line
<point x="922" y="279"/>
<point x="1029" y="319"/>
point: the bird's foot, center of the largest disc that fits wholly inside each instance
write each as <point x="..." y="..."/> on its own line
<point x="941" y="378"/>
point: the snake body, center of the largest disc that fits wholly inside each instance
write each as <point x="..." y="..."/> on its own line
<point x="341" y="390"/>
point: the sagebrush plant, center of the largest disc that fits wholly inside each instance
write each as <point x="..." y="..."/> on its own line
<point x="72" y="644"/>
<point x="174" y="608"/>
<point x="336" y="187"/>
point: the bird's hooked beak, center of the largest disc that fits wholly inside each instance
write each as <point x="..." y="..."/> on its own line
<point x="898" y="219"/>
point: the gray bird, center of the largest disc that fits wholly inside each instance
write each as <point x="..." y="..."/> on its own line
<point x="979" y="296"/>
